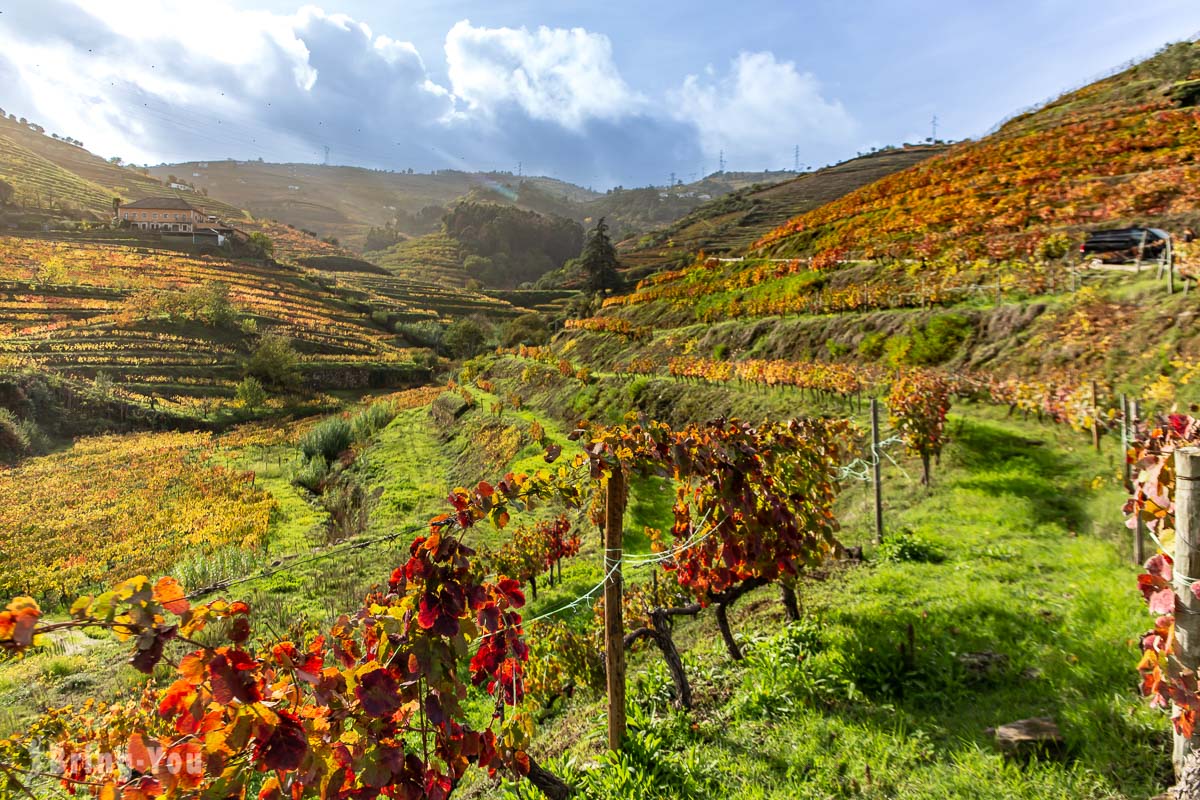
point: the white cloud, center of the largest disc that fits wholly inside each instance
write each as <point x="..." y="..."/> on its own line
<point x="558" y="75"/>
<point x="760" y="111"/>
<point x="176" y="80"/>
<point x="184" y="80"/>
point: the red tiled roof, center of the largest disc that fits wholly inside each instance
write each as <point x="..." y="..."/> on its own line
<point x="170" y="203"/>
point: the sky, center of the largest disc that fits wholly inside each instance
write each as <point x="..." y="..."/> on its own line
<point x="624" y="93"/>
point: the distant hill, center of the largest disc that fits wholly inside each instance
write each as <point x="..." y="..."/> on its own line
<point x="732" y="222"/>
<point x="347" y="202"/>
<point x="56" y="175"/>
<point x="1119" y="150"/>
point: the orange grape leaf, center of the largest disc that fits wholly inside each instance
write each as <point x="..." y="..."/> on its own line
<point x="169" y="594"/>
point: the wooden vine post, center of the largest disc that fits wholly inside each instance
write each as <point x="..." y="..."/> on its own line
<point x="1095" y="419"/>
<point x="875" y="468"/>
<point x="614" y="625"/>
<point x="1186" y="567"/>
<point x="1139" y="527"/>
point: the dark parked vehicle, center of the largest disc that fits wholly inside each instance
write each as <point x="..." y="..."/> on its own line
<point x="1123" y="244"/>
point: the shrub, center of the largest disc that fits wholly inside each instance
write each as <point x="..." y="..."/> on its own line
<point x="274" y="362"/>
<point x="14" y="442"/>
<point x="464" y="338"/>
<point x="250" y="393"/>
<point x="527" y="329"/>
<point x="872" y="345"/>
<point x="261" y="245"/>
<point x="312" y="474"/>
<point x="905" y="545"/>
<point x="328" y="439"/>
<point x="939" y="339"/>
<point x="372" y="419"/>
<point x="349" y="505"/>
<point x="425" y="333"/>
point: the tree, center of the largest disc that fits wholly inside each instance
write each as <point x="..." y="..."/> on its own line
<point x="261" y="245"/>
<point x="599" y="261"/>
<point x="7" y="192"/>
<point x="274" y="362"/>
<point x="250" y="393"/>
<point x="527" y="329"/>
<point x="464" y="338"/>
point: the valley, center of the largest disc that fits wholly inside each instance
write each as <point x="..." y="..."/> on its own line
<point x="859" y="481"/>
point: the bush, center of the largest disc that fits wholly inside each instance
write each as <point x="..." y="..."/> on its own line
<point x="274" y="362"/>
<point x="425" y="333"/>
<point x="464" y="338"/>
<point x="905" y="545"/>
<point x="872" y="345"/>
<point x="312" y="474"/>
<point x="327" y="439"/>
<point x="938" y="341"/>
<point x="14" y="441"/>
<point x="372" y="419"/>
<point x="207" y="303"/>
<point x="261" y="245"/>
<point x="349" y="506"/>
<point x="527" y="329"/>
<point x="250" y="393"/>
<point x="836" y="349"/>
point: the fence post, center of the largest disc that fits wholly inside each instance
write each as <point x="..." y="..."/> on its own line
<point x="1095" y="419"/>
<point x="875" y="458"/>
<point x="1125" y="441"/>
<point x="1170" y="258"/>
<point x="1139" y="536"/>
<point x="614" y="626"/>
<point x="1187" y="563"/>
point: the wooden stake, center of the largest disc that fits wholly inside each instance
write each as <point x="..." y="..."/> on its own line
<point x="1125" y="441"/>
<point x="1095" y="419"/>
<point x="1139" y="531"/>
<point x="878" y="484"/>
<point x="1187" y="565"/>
<point x="614" y="626"/>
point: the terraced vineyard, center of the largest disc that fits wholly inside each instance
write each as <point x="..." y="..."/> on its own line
<point x="40" y="183"/>
<point x="997" y="218"/>
<point x="173" y="499"/>
<point x="436" y="258"/>
<point x="730" y="224"/>
<point x="1118" y="150"/>
<point x="411" y="301"/>
<point x="87" y="314"/>
<point x="97" y="180"/>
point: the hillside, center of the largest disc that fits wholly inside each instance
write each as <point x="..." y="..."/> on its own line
<point x="730" y="223"/>
<point x="343" y="202"/>
<point x="346" y="202"/>
<point x="53" y="174"/>
<point x="169" y="329"/>
<point x="1120" y="150"/>
<point x="1000" y="216"/>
